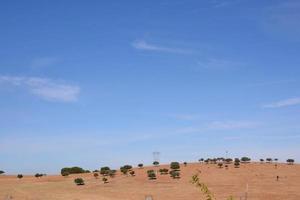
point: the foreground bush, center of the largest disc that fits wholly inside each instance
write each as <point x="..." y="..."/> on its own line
<point x="151" y="174"/>
<point x="79" y="181"/>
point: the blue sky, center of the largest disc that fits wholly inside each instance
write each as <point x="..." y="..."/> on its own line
<point x="107" y="83"/>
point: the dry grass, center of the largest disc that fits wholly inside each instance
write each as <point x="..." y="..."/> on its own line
<point x="261" y="179"/>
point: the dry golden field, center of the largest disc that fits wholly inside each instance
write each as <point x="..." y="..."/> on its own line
<point x="261" y="180"/>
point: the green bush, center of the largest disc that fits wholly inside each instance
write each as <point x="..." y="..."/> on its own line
<point x="151" y="174"/>
<point x="104" y="171"/>
<point x="112" y="173"/>
<point x="79" y="181"/>
<point x="245" y="159"/>
<point x="125" y="169"/>
<point x="155" y="163"/>
<point x="220" y="165"/>
<point x="175" y="174"/>
<point x="72" y="170"/>
<point x="175" y="166"/>
<point x="163" y="171"/>
<point x="65" y="173"/>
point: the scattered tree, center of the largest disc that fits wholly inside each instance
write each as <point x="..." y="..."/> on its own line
<point x="175" y="166"/>
<point x="228" y="160"/>
<point x="132" y="173"/>
<point x="151" y="174"/>
<point x="2" y="172"/>
<point x="96" y="175"/>
<point x="290" y="161"/>
<point x="185" y="164"/>
<point x="37" y="175"/>
<point x="112" y="173"/>
<point x="140" y="165"/>
<point x="201" y="160"/>
<point x="72" y="170"/>
<point x="156" y="163"/>
<point x="245" y="159"/>
<point x="104" y="171"/>
<point x="79" y="181"/>
<point x="261" y="160"/>
<point x="163" y="171"/>
<point x="65" y="173"/>
<point x="236" y="164"/>
<point x="105" y="180"/>
<point x="220" y="165"/>
<point x="269" y="160"/>
<point x="175" y="174"/>
<point x="19" y="176"/>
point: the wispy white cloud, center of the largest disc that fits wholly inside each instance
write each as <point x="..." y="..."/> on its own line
<point x="143" y="45"/>
<point x="44" y="88"/>
<point x="43" y="62"/>
<point x="283" y="103"/>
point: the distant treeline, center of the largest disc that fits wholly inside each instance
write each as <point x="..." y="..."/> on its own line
<point x="73" y="170"/>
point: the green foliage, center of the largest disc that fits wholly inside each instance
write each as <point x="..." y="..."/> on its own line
<point x="112" y="173"/>
<point x="125" y="169"/>
<point x="79" y="181"/>
<point x="72" y="170"/>
<point x="65" y="173"/>
<point x="151" y="174"/>
<point x="87" y="171"/>
<point x="140" y="165"/>
<point x="228" y="160"/>
<point x="245" y="159"/>
<point x="201" y="160"/>
<point x="155" y="163"/>
<point x="175" y="174"/>
<point x="104" y="171"/>
<point x="175" y="166"/>
<point x="37" y="175"/>
<point x="269" y="160"/>
<point x="19" y="176"/>
<point x="163" y="171"/>
<point x="290" y="161"/>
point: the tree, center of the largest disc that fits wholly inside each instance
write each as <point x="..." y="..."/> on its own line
<point x="261" y="160"/>
<point x="140" y="165"/>
<point x="112" y="173"/>
<point x="185" y="164"/>
<point x="37" y="175"/>
<point x="65" y="173"/>
<point x="156" y="163"/>
<point x="96" y="175"/>
<point x="163" y="171"/>
<point x="19" y="176"/>
<point x="201" y="160"/>
<point x="124" y="169"/>
<point x="151" y="174"/>
<point x="2" y="172"/>
<point x="245" y="159"/>
<point x="104" y="171"/>
<point x="175" y="174"/>
<point x="228" y="160"/>
<point x="87" y="171"/>
<point x="79" y="181"/>
<point x="236" y="164"/>
<point x="132" y="173"/>
<point x="290" y="161"/>
<point x="72" y="170"/>
<point x="175" y="166"/>
<point x="269" y="160"/>
<point x="276" y="159"/>
<point x="105" y="180"/>
<point x="220" y="165"/>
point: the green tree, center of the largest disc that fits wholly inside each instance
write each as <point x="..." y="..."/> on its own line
<point x="140" y="165"/>
<point x="175" y="174"/>
<point x="163" y="171"/>
<point x="104" y="171"/>
<point x="79" y="181"/>
<point x="185" y="164"/>
<point x="175" y="166"/>
<point x="269" y="160"/>
<point x="151" y="174"/>
<point x="2" y="172"/>
<point x="19" y="176"/>
<point x="290" y="161"/>
<point x="245" y="159"/>
<point x="156" y="163"/>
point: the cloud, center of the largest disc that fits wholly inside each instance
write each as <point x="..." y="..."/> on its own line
<point x="143" y="45"/>
<point x="43" y="62"/>
<point x="218" y="64"/>
<point x="283" y="103"/>
<point x="44" y="88"/>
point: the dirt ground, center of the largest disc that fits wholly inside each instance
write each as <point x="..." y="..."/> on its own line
<point x="260" y="178"/>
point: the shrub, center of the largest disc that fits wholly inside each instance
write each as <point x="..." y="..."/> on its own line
<point x="220" y="165"/>
<point x="19" y="176"/>
<point x="245" y="159"/>
<point x="72" y="170"/>
<point x="96" y="175"/>
<point x="37" y="175"/>
<point x="151" y="174"/>
<point x="261" y="160"/>
<point x="175" y="166"/>
<point x="2" y="172"/>
<point x="87" y="171"/>
<point x="155" y="163"/>
<point x="112" y="173"/>
<point x="269" y="160"/>
<point x="185" y="164"/>
<point x="104" y="171"/>
<point x="290" y="161"/>
<point x="65" y="173"/>
<point x="132" y="173"/>
<point x="79" y="181"/>
<point x="175" y="174"/>
<point x="201" y="160"/>
<point x="236" y="164"/>
<point x="228" y="160"/>
<point x="140" y="165"/>
<point x="105" y="180"/>
<point x="163" y="171"/>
